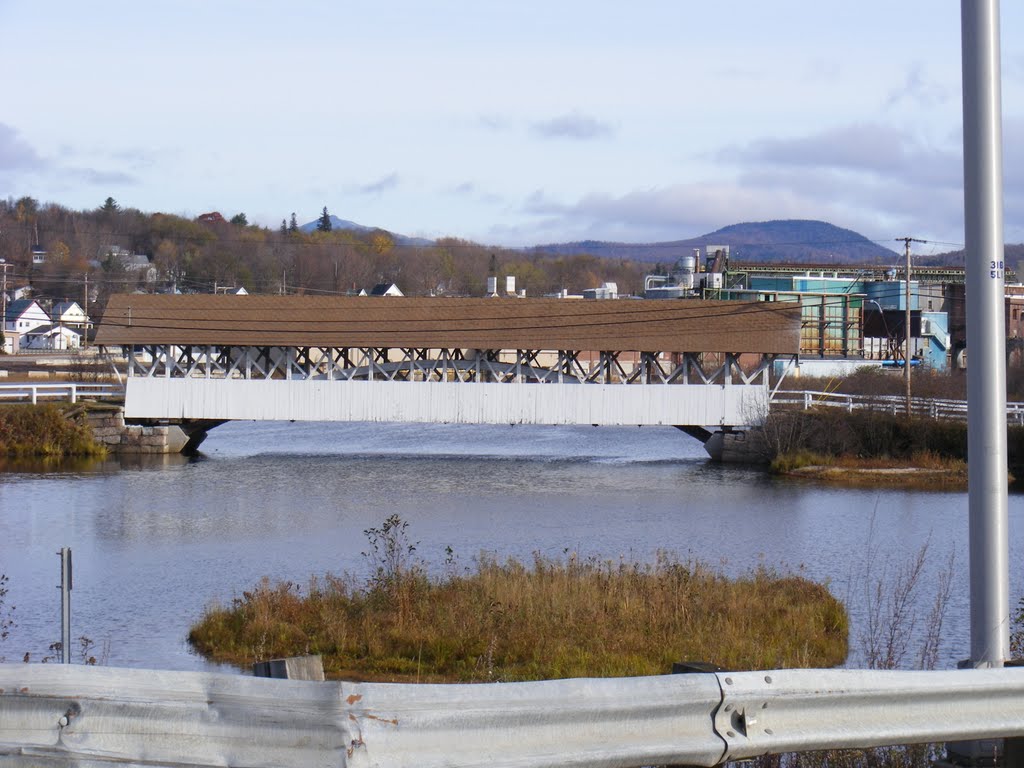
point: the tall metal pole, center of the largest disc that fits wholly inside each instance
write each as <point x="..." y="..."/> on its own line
<point x="986" y="333"/>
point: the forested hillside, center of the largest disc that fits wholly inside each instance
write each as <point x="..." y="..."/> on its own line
<point x="210" y="251"/>
<point x="125" y="249"/>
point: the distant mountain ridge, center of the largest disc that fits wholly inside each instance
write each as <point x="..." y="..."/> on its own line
<point x="786" y="240"/>
<point x="337" y="223"/>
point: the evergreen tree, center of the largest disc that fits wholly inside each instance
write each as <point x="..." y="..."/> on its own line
<point x="240" y="220"/>
<point x="284" y="227"/>
<point x="324" y="223"/>
<point x="294" y="225"/>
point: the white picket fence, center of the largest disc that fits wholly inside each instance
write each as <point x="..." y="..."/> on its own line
<point x="66" y="392"/>
<point x="894" y="404"/>
<point x="55" y="716"/>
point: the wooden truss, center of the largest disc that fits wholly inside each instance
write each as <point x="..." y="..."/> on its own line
<point x="445" y="365"/>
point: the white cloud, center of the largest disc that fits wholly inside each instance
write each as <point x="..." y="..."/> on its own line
<point x="572" y="126"/>
<point x="919" y="91"/>
<point x="16" y="154"/>
<point x="867" y="148"/>
<point x="383" y="184"/>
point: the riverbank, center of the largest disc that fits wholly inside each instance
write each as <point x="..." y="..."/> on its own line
<point x="951" y="476"/>
<point x="875" y="448"/>
<point x="46" y="431"/>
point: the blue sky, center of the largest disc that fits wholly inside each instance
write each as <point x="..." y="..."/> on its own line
<point x="506" y="123"/>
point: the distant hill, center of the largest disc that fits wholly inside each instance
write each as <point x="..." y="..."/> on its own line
<point x="1012" y="253"/>
<point x="791" y="240"/>
<point x="337" y="224"/>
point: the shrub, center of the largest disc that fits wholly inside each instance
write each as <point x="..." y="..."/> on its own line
<point x="43" y="430"/>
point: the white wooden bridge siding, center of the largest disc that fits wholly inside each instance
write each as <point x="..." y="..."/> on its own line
<point x="445" y="402"/>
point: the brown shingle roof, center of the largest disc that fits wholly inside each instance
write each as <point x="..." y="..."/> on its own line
<point x="623" y="325"/>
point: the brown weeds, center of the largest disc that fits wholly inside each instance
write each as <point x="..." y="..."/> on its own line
<point x="554" y="618"/>
<point x="43" y="431"/>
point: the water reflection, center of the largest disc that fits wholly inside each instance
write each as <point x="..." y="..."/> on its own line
<point x="157" y="538"/>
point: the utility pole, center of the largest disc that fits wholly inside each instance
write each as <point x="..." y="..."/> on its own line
<point x="3" y="312"/>
<point x="85" y="311"/>
<point x="906" y="318"/>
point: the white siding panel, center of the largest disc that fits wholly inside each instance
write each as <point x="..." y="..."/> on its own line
<point x="459" y="403"/>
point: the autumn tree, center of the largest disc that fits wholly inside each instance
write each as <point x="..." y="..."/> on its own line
<point x="26" y="214"/>
<point x="195" y="253"/>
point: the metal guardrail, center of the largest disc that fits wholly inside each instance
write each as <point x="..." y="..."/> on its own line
<point x="894" y="404"/>
<point x="59" y="392"/>
<point x="58" y="715"/>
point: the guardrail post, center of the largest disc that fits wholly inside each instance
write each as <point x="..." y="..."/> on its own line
<point x="291" y="668"/>
<point x="65" y="604"/>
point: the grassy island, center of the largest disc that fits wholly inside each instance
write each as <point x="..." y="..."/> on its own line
<point x="509" y="621"/>
<point x="44" y="431"/>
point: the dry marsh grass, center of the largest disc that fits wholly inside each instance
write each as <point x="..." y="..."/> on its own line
<point x="922" y="470"/>
<point x="43" y="431"/>
<point x="508" y="621"/>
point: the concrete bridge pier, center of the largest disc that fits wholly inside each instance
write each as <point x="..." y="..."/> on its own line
<point x="194" y="431"/>
<point x="144" y="436"/>
<point x="736" y="445"/>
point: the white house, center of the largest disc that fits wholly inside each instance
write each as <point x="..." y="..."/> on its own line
<point x="386" y="289"/>
<point x="71" y="314"/>
<point x="133" y="263"/>
<point x="52" y="337"/>
<point x="22" y="317"/>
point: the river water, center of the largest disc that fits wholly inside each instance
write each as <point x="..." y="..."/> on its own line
<point x="154" y="542"/>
